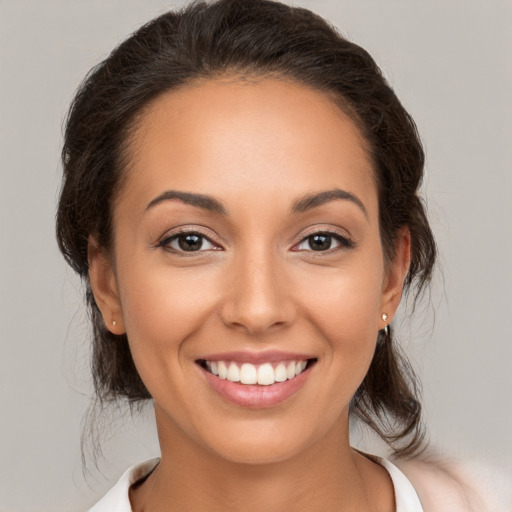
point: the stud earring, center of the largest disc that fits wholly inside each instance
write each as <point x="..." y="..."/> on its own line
<point x="114" y="323"/>
<point x="385" y="317"/>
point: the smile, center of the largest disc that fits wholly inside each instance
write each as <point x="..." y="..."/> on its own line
<point x="264" y="374"/>
<point x="256" y="381"/>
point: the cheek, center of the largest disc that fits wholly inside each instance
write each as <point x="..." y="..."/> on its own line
<point x="163" y="309"/>
<point x="344" y="308"/>
<point x="346" y="299"/>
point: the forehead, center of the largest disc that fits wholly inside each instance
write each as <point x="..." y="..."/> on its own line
<point x="243" y="136"/>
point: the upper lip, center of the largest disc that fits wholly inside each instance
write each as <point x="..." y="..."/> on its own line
<point x="270" y="356"/>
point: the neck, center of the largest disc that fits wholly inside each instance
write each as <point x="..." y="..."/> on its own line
<point x="327" y="476"/>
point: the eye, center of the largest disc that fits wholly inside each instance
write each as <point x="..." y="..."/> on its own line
<point x="187" y="242"/>
<point x="323" y="241"/>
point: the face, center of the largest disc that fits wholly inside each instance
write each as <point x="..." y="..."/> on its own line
<point x="247" y="248"/>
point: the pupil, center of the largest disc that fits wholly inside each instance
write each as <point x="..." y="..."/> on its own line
<point x="190" y="242"/>
<point x="320" y="242"/>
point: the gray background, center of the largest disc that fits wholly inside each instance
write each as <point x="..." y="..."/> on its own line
<point x="449" y="62"/>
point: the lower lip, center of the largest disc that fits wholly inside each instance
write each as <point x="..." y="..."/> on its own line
<point x="256" y="396"/>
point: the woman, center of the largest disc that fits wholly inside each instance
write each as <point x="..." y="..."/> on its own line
<point x="241" y="199"/>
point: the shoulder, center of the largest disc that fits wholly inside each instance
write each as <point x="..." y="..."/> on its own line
<point x="118" y="499"/>
<point x="445" y="485"/>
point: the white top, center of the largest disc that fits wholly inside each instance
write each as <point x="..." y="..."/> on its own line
<point x="117" y="499"/>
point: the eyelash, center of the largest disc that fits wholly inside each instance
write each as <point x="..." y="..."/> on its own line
<point x="165" y="242"/>
<point x="343" y="241"/>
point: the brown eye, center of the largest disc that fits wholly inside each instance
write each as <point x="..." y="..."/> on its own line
<point x="190" y="242"/>
<point x="320" y="242"/>
<point x="324" y="241"/>
<point x="187" y="242"/>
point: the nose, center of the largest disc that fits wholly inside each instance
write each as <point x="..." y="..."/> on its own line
<point x="258" y="296"/>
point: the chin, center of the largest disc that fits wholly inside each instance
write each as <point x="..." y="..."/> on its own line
<point x="257" y="453"/>
<point x="260" y="442"/>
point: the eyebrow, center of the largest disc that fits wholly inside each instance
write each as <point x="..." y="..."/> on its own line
<point x="302" y="205"/>
<point x="200" y="200"/>
<point x="314" y="200"/>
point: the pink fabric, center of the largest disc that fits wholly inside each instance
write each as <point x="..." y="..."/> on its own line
<point x="451" y="486"/>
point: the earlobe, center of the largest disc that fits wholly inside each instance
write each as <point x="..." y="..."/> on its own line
<point x="104" y="287"/>
<point x="396" y="274"/>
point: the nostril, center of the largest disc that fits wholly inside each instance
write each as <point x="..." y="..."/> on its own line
<point x="257" y="302"/>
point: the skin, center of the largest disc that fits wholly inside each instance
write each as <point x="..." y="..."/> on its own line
<point x="256" y="147"/>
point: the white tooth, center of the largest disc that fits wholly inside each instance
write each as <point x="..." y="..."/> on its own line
<point x="248" y="374"/>
<point x="223" y="369"/>
<point x="213" y="367"/>
<point x="233" y="373"/>
<point x="290" y="370"/>
<point x="280" y="373"/>
<point x="303" y="365"/>
<point x="266" y="374"/>
<point x="299" y="367"/>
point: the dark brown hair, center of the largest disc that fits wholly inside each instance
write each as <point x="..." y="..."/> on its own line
<point x="244" y="38"/>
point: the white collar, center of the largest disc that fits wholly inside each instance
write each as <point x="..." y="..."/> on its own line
<point x="117" y="499"/>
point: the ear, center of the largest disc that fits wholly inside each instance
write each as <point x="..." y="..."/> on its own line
<point x="104" y="286"/>
<point x="395" y="276"/>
